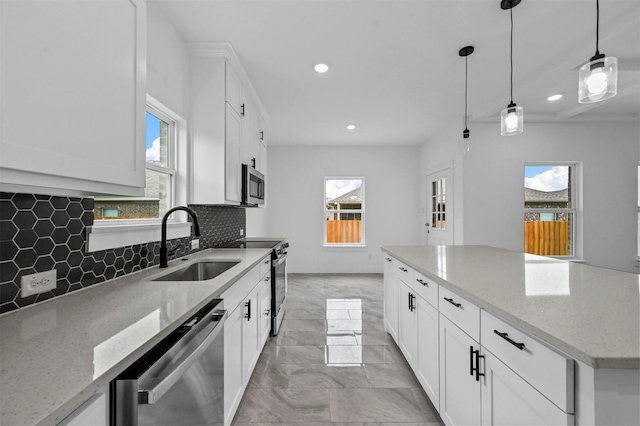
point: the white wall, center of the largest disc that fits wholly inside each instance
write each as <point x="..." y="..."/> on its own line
<point x="493" y="174"/>
<point x="167" y="63"/>
<point x="295" y="202"/>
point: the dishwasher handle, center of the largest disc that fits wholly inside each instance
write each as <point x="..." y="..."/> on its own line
<point x="158" y="387"/>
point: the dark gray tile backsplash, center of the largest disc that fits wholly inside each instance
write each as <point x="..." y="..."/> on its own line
<point x="39" y="233"/>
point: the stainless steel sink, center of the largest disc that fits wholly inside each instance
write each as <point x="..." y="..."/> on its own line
<point x="199" y="271"/>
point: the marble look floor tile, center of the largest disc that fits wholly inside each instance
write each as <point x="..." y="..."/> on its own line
<point x="284" y="405"/>
<point x="303" y="325"/>
<point x="390" y="376"/>
<point x="303" y="338"/>
<point x="303" y="354"/>
<point x="309" y="312"/>
<point x="323" y="376"/>
<point x="341" y="338"/>
<point x="365" y="354"/>
<point x="374" y="337"/>
<point x="344" y="325"/>
<point x="376" y="405"/>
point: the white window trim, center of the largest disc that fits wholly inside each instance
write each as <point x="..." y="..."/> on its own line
<point x="107" y="234"/>
<point x="324" y="207"/>
<point x="577" y="209"/>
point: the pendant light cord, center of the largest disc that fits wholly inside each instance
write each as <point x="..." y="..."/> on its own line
<point x="511" y="53"/>
<point x="465" y="91"/>
<point x="597" y="26"/>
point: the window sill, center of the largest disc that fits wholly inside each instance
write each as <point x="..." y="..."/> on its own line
<point x="109" y="235"/>
<point x="344" y="245"/>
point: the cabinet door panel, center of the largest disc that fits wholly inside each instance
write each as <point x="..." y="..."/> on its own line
<point x="507" y="399"/>
<point x="73" y="101"/>
<point x="408" y="324"/>
<point x="390" y="298"/>
<point x="232" y="363"/>
<point x="233" y="171"/>
<point x="459" y="390"/>
<point x="428" y="366"/>
<point x="250" y="327"/>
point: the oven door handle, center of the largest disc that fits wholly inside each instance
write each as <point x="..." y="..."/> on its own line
<point x="279" y="260"/>
<point x="152" y="389"/>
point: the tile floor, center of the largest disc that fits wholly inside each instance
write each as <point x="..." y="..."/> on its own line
<point x="332" y="362"/>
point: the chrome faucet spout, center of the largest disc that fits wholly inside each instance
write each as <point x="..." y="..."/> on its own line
<point x="163" y="241"/>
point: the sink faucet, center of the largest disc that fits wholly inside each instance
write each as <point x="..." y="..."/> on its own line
<point x="163" y="242"/>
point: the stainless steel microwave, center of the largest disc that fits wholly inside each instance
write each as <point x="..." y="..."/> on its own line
<point x="252" y="186"/>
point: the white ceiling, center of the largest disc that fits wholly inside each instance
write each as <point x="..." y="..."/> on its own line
<point x="395" y="71"/>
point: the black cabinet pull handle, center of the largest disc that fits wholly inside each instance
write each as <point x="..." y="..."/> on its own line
<point x="242" y="110"/>
<point x="403" y="269"/>
<point x="475" y="354"/>
<point x="412" y="307"/>
<point x="422" y="282"/>
<point x="248" y="306"/>
<point x="409" y="298"/>
<point x="253" y="163"/>
<point x="388" y="259"/>
<point x="457" y="305"/>
<point x="261" y="135"/>
<point x="506" y="337"/>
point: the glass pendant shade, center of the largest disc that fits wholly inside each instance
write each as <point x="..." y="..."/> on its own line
<point x="511" y="120"/>
<point x="598" y="79"/>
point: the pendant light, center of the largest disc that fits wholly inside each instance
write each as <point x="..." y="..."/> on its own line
<point x="598" y="78"/>
<point x="465" y="52"/>
<point x="512" y="116"/>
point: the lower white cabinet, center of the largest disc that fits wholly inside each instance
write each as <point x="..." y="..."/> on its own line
<point x="265" y="308"/>
<point x="232" y="363"/>
<point x="427" y="369"/>
<point x="408" y="323"/>
<point x="94" y="412"/>
<point x="250" y="334"/>
<point x="390" y="297"/>
<point x="507" y="399"/>
<point x="459" y="376"/>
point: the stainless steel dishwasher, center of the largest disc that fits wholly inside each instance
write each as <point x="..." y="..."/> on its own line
<point x="180" y="381"/>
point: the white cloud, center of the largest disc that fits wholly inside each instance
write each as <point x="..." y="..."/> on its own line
<point x="337" y="187"/>
<point x="153" y="152"/>
<point x="551" y="180"/>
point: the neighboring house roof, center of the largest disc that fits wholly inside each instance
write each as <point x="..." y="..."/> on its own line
<point x="354" y="196"/>
<point x="535" y="196"/>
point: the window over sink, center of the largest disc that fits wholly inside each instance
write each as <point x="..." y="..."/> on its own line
<point x="122" y="220"/>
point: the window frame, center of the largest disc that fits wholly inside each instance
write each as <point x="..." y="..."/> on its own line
<point x="326" y="211"/>
<point x="575" y="190"/>
<point x="113" y="233"/>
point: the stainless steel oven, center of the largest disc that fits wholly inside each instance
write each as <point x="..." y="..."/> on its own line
<point x="180" y="381"/>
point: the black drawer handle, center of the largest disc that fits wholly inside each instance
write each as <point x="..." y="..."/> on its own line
<point x="403" y="269"/>
<point x="422" y="282"/>
<point x="248" y="306"/>
<point x="457" y="305"/>
<point x="505" y="336"/>
<point x="388" y="259"/>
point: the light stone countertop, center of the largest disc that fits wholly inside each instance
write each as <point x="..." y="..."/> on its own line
<point x="590" y="313"/>
<point x="56" y="354"/>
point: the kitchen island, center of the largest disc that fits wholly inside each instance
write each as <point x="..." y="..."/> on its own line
<point x="586" y="316"/>
<point x="57" y="354"/>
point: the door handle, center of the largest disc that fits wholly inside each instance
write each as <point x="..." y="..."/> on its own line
<point x="475" y="354"/>
<point x="248" y="306"/>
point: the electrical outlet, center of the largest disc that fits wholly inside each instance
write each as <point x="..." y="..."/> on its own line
<point x="37" y="283"/>
<point x="241" y="232"/>
<point x="195" y="244"/>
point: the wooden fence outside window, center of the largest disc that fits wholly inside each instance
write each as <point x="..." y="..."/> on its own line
<point x="546" y="238"/>
<point x="344" y="231"/>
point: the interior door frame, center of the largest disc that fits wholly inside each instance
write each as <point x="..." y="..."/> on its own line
<point x="444" y="169"/>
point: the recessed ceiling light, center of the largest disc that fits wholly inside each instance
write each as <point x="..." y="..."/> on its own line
<point x="351" y="126"/>
<point x="555" y="97"/>
<point x="321" y="68"/>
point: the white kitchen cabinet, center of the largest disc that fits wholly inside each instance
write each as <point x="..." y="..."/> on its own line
<point x="407" y="323"/>
<point x="507" y="399"/>
<point x="72" y="109"/>
<point x="94" y="412"/>
<point x="390" y="297"/>
<point x="250" y="334"/>
<point x="265" y="308"/>
<point x="459" y="387"/>
<point x="233" y="167"/>
<point x="427" y="368"/>
<point x="233" y="385"/>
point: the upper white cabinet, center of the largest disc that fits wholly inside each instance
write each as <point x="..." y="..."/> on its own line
<point x="225" y="117"/>
<point x="72" y="108"/>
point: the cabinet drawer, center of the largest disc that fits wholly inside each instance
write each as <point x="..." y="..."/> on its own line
<point x="426" y="288"/>
<point x="265" y="266"/>
<point x="235" y="294"/>
<point x="546" y="369"/>
<point x="463" y="313"/>
<point x="404" y="273"/>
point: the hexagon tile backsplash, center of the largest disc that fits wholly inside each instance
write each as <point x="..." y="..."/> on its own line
<point x="39" y="233"/>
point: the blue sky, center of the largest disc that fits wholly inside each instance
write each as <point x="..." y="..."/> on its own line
<point x="153" y="129"/>
<point x="546" y="178"/>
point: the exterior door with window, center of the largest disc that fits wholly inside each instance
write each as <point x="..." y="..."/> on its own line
<point x="439" y="220"/>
